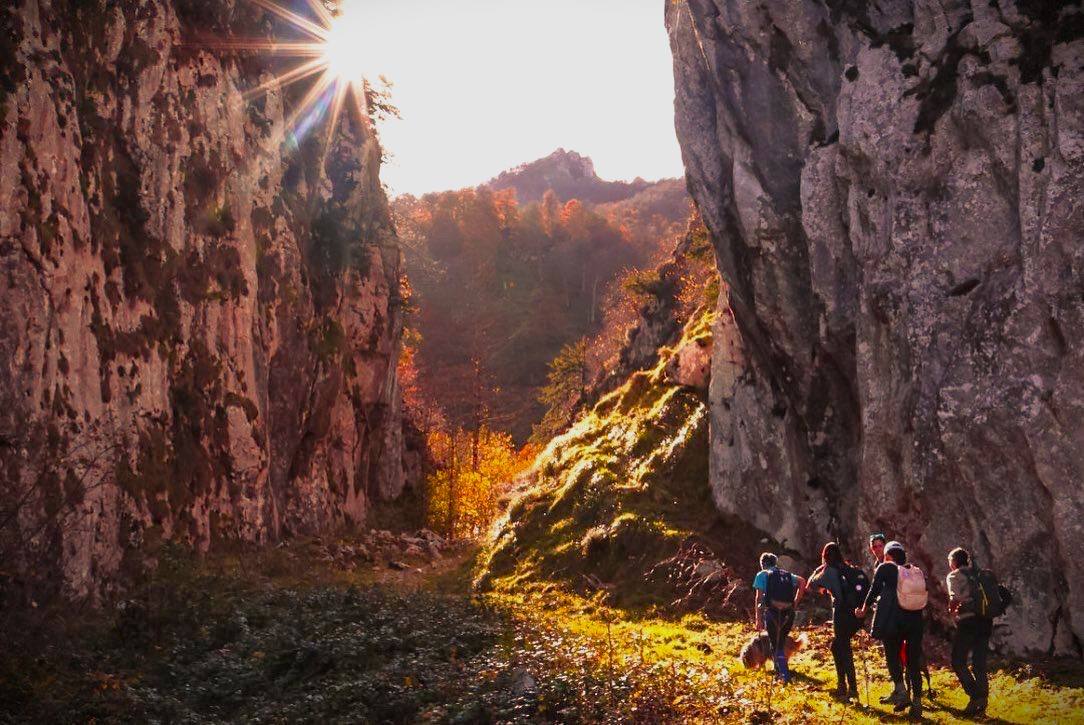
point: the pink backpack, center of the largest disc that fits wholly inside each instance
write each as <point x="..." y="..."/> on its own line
<point x="911" y="588"/>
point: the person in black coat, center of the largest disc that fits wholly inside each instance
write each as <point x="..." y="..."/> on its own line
<point x="896" y="627"/>
<point x="830" y="577"/>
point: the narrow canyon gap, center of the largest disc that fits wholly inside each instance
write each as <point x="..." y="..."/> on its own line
<point x="200" y="318"/>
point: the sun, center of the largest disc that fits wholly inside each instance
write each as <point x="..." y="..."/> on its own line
<point x="332" y="50"/>
<point x="343" y="50"/>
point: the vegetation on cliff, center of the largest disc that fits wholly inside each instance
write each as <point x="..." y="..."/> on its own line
<point x="616" y="493"/>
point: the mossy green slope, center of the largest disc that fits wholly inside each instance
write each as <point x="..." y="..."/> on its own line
<point x="617" y="492"/>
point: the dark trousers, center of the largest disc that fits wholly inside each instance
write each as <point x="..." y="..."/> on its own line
<point x="844" y="627"/>
<point x="908" y="635"/>
<point x="779" y="622"/>
<point x="972" y="639"/>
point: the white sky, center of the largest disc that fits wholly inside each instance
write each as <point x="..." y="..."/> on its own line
<point x="484" y="85"/>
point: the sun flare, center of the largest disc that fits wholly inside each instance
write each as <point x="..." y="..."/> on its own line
<point x="343" y="50"/>
<point x="331" y="50"/>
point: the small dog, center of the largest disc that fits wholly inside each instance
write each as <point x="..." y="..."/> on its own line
<point x="758" y="649"/>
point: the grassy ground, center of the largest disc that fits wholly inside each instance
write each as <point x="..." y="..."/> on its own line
<point x="274" y="635"/>
<point x="282" y="636"/>
<point x="695" y="659"/>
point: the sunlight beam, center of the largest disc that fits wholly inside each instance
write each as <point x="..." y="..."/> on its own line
<point x="308" y="105"/>
<point x="322" y="12"/>
<point x="290" y="77"/>
<point x="296" y="20"/>
<point x="266" y="47"/>
<point x="341" y="89"/>
<point x="334" y="58"/>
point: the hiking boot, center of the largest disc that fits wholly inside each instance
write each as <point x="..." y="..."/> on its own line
<point x="976" y="707"/>
<point x="916" y="710"/>
<point x="898" y="694"/>
<point x="899" y="699"/>
<point x="841" y="693"/>
<point x="852" y="694"/>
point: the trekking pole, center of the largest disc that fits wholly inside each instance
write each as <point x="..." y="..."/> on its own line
<point x="771" y="692"/>
<point x="865" y="673"/>
<point x="771" y="677"/>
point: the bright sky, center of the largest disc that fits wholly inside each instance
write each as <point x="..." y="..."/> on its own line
<point x="484" y="85"/>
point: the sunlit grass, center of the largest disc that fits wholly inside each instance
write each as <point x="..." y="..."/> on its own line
<point x="702" y="654"/>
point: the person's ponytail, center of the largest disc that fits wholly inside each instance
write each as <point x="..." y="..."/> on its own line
<point x="831" y="555"/>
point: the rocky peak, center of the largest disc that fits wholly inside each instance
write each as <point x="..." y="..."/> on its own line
<point x="560" y="166"/>
<point x="569" y="175"/>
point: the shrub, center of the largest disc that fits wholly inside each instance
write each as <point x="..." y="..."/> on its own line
<point x="644" y="283"/>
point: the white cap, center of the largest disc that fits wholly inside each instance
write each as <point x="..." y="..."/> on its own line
<point x="893" y="545"/>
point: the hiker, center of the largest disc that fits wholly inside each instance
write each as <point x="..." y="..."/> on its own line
<point x="847" y="585"/>
<point x="899" y="589"/>
<point x="973" y="631"/>
<point x="877" y="548"/>
<point x="778" y="592"/>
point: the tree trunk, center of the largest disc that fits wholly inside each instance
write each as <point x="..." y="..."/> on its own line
<point x="453" y="476"/>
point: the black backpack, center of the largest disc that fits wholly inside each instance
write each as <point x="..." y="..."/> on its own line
<point x="988" y="598"/>
<point x="855" y="586"/>
<point x="781" y="587"/>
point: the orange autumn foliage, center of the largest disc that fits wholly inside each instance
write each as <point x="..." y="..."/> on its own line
<point x="474" y="468"/>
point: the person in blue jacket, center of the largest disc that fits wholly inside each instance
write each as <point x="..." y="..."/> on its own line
<point x="777" y="594"/>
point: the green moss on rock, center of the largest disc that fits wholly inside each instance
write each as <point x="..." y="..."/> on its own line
<point x="616" y="493"/>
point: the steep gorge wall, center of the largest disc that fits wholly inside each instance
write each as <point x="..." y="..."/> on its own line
<point x="894" y="193"/>
<point x="199" y="319"/>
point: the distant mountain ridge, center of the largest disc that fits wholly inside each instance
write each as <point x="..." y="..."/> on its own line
<point x="570" y="175"/>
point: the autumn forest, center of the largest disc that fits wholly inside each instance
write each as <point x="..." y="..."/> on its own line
<point x="516" y="312"/>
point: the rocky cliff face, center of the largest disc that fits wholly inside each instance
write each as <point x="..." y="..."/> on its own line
<point x="894" y="192"/>
<point x="199" y="317"/>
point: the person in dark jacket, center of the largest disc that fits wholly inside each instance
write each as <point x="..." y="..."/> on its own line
<point x="877" y="548"/>
<point x="973" y="632"/>
<point x="877" y="544"/>
<point x="828" y="577"/>
<point x="896" y="627"/>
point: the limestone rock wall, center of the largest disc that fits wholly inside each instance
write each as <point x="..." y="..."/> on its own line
<point x="199" y="317"/>
<point x="894" y="192"/>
